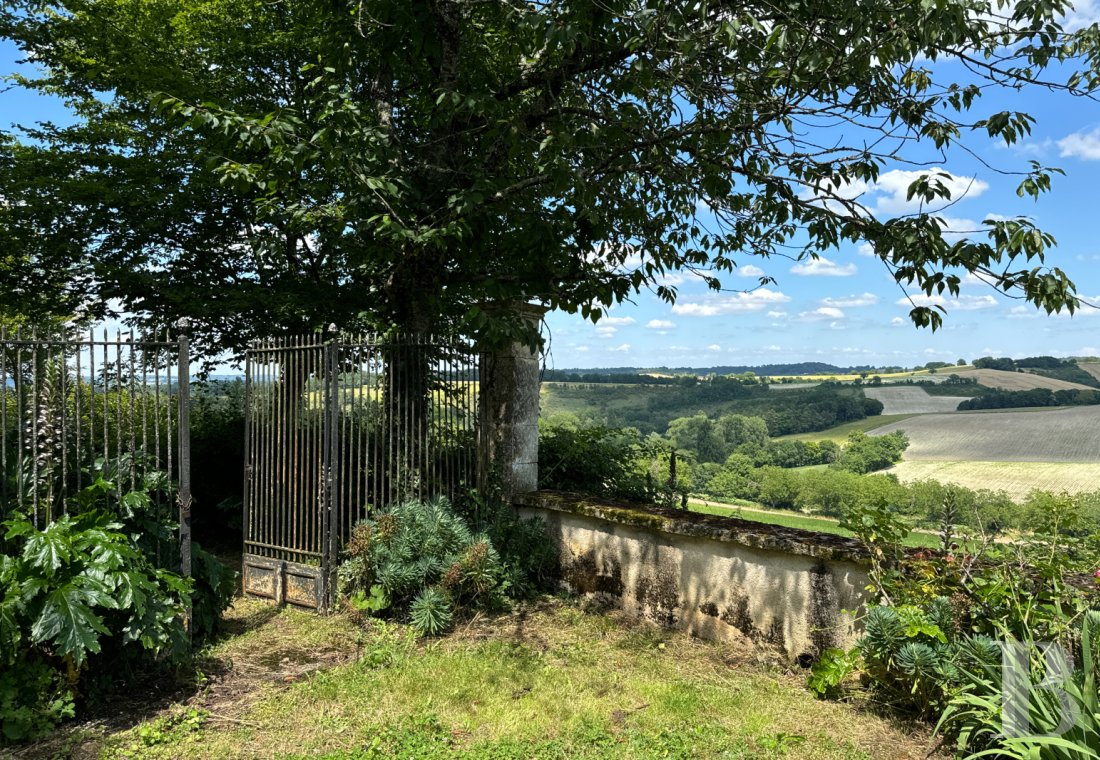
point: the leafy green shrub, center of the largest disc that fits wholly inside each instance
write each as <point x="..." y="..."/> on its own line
<point x="865" y="453"/>
<point x="421" y="562"/>
<point x="213" y="588"/>
<point x="593" y="459"/>
<point x="66" y="591"/>
<point x="529" y="556"/>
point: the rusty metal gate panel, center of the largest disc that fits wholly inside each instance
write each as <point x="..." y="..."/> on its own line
<point x="337" y="428"/>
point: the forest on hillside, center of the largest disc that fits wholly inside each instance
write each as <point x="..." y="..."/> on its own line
<point x="650" y="409"/>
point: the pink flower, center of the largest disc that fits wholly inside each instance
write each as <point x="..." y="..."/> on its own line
<point x="1096" y="575"/>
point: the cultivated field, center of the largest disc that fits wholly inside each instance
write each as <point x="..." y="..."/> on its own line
<point x="1045" y="435"/>
<point x="1093" y="368"/>
<point x="1017" y="479"/>
<point x="840" y="433"/>
<point x="1019" y="381"/>
<point x="911" y="399"/>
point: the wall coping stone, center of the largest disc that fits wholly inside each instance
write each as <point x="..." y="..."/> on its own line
<point x="824" y="546"/>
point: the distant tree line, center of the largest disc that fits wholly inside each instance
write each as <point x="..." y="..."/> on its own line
<point x="1046" y="366"/>
<point x="998" y="399"/>
<point x="633" y="378"/>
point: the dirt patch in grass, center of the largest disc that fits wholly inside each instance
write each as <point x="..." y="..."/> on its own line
<point x="260" y="651"/>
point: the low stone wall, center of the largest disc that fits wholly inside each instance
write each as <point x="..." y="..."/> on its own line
<point x="716" y="577"/>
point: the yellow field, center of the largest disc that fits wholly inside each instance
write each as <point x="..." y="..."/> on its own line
<point x="1015" y="478"/>
<point x="842" y="378"/>
<point x="461" y="389"/>
<point x="1019" y="381"/>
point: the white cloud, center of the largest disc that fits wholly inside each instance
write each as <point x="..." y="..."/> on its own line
<point x="1084" y="13"/>
<point x="606" y="332"/>
<point x="866" y="249"/>
<point x="849" y="302"/>
<point x="823" y="267"/>
<point x="962" y="303"/>
<point x="898" y="322"/>
<point x="624" y="348"/>
<point x="825" y="312"/>
<point x="581" y="349"/>
<point x="1087" y="351"/>
<point x="888" y="194"/>
<point x="1083" y="145"/>
<point x="617" y="321"/>
<point x="660" y="324"/>
<point x="755" y="300"/>
<point x="777" y="314"/>
<point x="749" y="270"/>
<point x="714" y="347"/>
<point x="893" y="186"/>
<point x="976" y="279"/>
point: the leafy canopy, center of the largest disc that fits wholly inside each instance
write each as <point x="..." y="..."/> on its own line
<point x="266" y="167"/>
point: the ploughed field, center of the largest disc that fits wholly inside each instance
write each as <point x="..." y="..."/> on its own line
<point x="1005" y="435"/>
<point x="1011" y="450"/>
<point x="912" y="399"/>
<point x="1019" y="381"/>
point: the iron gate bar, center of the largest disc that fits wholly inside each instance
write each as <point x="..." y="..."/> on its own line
<point x="50" y="428"/>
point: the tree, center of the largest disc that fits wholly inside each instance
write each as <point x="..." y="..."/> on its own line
<point x="700" y="435"/>
<point x="738" y="429"/>
<point x="271" y="167"/>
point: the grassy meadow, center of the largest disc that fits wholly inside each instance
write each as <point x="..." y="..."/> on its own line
<point x="553" y="679"/>
<point x="748" y="511"/>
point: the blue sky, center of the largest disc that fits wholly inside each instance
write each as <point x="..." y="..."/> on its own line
<point x="846" y="308"/>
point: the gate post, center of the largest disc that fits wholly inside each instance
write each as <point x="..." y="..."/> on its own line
<point x="330" y="535"/>
<point x="509" y="400"/>
<point x="184" y="496"/>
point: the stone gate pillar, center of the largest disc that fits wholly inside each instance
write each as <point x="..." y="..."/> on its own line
<point x="509" y="393"/>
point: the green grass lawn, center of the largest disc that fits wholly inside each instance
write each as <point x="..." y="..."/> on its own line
<point x="840" y="433"/>
<point x="791" y="520"/>
<point x="548" y="680"/>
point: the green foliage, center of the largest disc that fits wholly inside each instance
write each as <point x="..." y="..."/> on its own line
<point x="528" y="555"/>
<point x="430" y="612"/>
<point x="998" y="399"/>
<point x="651" y="409"/>
<point x="908" y="654"/>
<point x="933" y="646"/>
<point x="593" y="459"/>
<point x="322" y="173"/>
<point x="976" y="714"/>
<point x="865" y="453"/>
<point x="213" y="588"/>
<point x="217" y="452"/>
<point x="34" y="697"/>
<point x="65" y="590"/>
<point x="421" y="561"/>
<point x="830" y="672"/>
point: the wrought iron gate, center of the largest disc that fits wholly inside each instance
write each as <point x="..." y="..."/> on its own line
<point x="84" y="408"/>
<point x="336" y="428"/>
